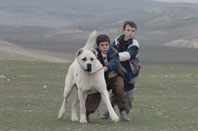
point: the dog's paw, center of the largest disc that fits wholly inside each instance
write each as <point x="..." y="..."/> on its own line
<point x="83" y="121"/>
<point x="74" y="119"/>
<point x="115" y="119"/>
<point x="60" y="115"/>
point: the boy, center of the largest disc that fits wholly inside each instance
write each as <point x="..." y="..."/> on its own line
<point x="109" y="58"/>
<point x="128" y="49"/>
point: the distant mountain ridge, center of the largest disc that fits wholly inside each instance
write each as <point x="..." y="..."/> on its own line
<point x="64" y="26"/>
<point x="183" y="43"/>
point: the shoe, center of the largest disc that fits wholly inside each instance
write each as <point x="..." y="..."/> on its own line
<point x="88" y="119"/>
<point x="105" y="115"/>
<point x="127" y="111"/>
<point x="87" y="116"/>
<point x="124" y="115"/>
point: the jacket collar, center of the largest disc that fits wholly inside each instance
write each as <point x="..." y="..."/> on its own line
<point x="121" y="38"/>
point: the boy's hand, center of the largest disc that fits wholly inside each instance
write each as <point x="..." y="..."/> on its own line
<point x="105" y="68"/>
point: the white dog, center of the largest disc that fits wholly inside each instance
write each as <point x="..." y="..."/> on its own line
<point x="87" y="74"/>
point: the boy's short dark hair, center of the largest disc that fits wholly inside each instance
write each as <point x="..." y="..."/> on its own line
<point x="130" y="23"/>
<point x="102" y="38"/>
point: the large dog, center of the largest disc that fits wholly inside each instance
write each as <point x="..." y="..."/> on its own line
<point x="87" y="74"/>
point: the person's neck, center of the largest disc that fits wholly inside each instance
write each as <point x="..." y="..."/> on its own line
<point x="104" y="54"/>
<point x="126" y="39"/>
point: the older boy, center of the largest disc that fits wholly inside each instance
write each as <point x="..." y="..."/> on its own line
<point x="128" y="49"/>
<point x="108" y="56"/>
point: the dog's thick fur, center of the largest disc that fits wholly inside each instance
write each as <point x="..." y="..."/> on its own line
<point x="87" y="74"/>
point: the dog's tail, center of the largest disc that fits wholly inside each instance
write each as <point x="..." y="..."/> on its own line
<point x="91" y="41"/>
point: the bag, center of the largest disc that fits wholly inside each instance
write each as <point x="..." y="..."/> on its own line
<point x="135" y="65"/>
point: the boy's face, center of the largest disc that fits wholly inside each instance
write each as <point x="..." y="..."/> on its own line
<point x="129" y="32"/>
<point x="103" y="47"/>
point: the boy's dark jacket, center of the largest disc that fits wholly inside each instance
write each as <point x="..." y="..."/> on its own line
<point x="113" y="62"/>
<point x="132" y="49"/>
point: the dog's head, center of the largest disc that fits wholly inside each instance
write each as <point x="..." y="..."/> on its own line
<point x="87" y="59"/>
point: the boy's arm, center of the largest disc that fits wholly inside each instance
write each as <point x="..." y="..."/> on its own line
<point x="124" y="56"/>
<point x="133" y="51"/>
<point x="130" y="53"/>
<point x="113" y="63"/>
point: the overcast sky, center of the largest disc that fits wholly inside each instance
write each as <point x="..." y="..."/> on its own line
<point x="179" y="1"/>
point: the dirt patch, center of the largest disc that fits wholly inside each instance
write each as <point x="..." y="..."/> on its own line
<point x="9" y="51"/>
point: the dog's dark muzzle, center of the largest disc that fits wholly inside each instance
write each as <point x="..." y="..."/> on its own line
<point x="89" y="68"/>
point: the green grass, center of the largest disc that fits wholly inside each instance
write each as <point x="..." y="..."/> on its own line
<point x="165" y="54"/>
<point x="31" y="95"/>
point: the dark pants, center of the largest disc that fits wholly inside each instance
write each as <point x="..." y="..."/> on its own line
<point x="117" y="86"/>
<point x="129" y="100"/>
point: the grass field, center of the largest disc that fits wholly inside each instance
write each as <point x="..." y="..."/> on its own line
<point x="165" y="54"/>
<point x="31" y="94"/>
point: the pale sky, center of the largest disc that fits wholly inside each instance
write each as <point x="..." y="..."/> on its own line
<point x="179" y="1"/>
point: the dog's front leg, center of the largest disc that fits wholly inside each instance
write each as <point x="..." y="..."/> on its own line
<point x="105" y="97"/>
<point x="82" y="106"/>
<point x="73" y="109"/>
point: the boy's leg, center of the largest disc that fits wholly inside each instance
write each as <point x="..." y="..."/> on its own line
<point x="129" y="100"/>
<point x="92" y="103"/>
<point x="117" y="85"/>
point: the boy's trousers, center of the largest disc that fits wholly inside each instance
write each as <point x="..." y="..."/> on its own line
<point x="129" y="100"/>
<point x="117" y="85"/>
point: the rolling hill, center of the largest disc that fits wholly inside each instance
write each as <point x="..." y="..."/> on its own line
<point x="10" y="51"/>
<point x="64" y="26"/>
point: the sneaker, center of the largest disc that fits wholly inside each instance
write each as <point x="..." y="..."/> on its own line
<point x="124" y="116"/>
<point x="105" y="115"/>
<point x="127" y="111"/>
<point x="87" y="116"/>
<point x="88" y="119"/>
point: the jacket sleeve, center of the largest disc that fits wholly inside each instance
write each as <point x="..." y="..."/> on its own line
<point x="130" y="53"/>
<point x="124" y="56"/>
<point x="113" y="63"/>
<point x="133" y="51"/>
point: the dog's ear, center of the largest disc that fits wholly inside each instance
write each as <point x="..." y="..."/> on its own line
<point x="80" y="51"/>
<point x="94" y="51"/>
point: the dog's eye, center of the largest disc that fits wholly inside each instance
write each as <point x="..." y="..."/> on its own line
<point x="92" y="59"/>
<point x="84" y="59"/>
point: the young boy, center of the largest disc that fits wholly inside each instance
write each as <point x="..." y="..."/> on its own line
<point x="109" y="58"/>
<point x="128" y="49"/>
